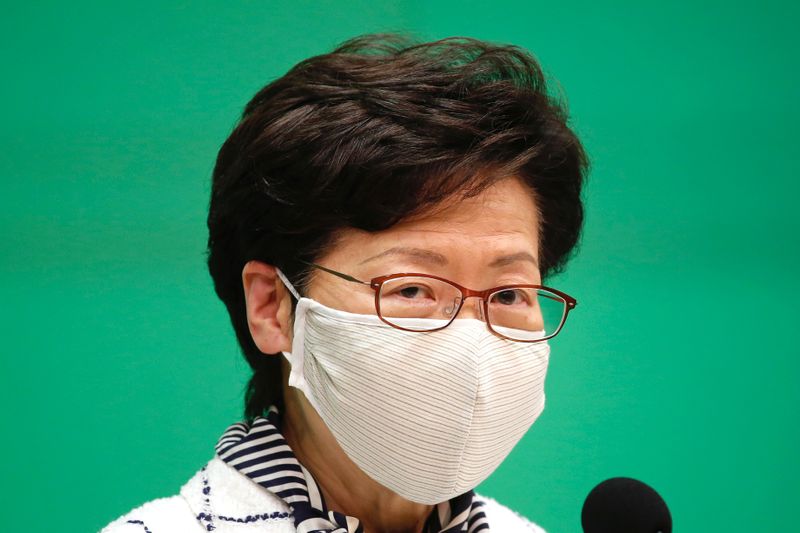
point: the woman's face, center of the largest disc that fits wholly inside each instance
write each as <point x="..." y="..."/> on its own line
<point x="481" y="242"/>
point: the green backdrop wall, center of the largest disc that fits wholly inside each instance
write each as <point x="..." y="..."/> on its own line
<point x="679" y="366"/>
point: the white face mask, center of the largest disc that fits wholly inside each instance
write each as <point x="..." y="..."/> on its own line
<point x="427" y="415"/>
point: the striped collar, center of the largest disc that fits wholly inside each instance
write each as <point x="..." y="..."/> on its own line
<point x="261" y="453"/>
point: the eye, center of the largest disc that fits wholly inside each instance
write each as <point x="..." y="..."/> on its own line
<point x="413" y="292"/>
<point x="510" y="297"/>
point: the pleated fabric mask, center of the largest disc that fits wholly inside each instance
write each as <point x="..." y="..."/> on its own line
<point x="428" y="415"/>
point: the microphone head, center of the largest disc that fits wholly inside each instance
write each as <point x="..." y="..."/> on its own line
<point x="625" y="505"/>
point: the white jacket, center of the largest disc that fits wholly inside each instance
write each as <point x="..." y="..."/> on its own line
<point x="219" y="498"/>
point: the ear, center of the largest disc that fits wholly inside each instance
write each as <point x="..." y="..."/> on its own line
<point x="269" y="307"/>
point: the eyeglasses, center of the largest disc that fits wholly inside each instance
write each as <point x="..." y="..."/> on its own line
<point x="423" y="302"/>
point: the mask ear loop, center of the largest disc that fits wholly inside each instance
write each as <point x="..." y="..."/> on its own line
<point x="287" y="283"/>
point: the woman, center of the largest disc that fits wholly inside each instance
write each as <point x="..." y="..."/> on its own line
<point x="381" y="223"/>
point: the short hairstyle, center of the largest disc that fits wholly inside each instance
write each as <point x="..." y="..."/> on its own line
<point x="379" y="129"/>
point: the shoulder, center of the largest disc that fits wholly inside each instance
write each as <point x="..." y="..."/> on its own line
<point x="501" y="518"/>
<point x="162" y="514"/>
<point x="216" y="498"/>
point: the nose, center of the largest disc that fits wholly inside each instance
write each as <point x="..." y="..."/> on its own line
<point x="472" y="308"/>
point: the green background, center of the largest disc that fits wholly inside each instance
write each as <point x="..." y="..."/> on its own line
<point x="679" y="366"/>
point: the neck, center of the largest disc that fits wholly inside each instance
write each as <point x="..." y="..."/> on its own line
<point x="345" y="487"/>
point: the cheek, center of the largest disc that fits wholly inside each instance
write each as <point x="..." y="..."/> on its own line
<point x="345" y="296"/>
<point x="286" y="321"/>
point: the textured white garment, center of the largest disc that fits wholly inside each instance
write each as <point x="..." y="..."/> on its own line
<point x="239" y="505"/>
<point x="427" y="415"/>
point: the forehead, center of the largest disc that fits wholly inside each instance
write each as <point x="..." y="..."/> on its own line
<point x="502" y="218"/>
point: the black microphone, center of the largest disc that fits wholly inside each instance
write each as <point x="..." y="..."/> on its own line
<point x="625" y="505"/>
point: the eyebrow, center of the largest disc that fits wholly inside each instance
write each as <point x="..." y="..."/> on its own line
<point x="427" y="256"/>
<point x="513" y="258"/>
<point x="436" y="258"/>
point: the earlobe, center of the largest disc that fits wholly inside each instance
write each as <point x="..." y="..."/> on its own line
<point x="266" y="302"/>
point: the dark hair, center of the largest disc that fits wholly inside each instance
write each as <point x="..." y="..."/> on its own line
<point x="377" y="130"/>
